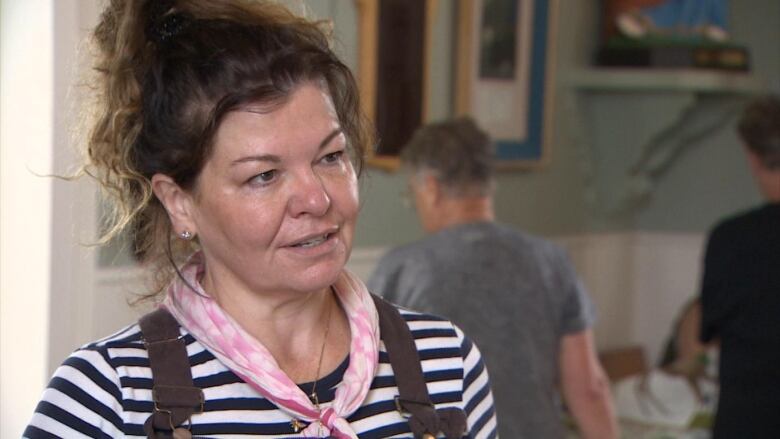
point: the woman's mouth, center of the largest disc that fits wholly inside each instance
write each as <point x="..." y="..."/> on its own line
<point x="313" y="241"/>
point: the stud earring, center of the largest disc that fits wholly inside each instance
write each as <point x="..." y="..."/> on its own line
<point x="185" y="235"/>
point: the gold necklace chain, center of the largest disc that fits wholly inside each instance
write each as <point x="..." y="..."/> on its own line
<point x="296" y="424"/>
<point x="313" y="396"/>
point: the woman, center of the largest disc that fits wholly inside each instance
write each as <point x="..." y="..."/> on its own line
<point x="231" y="129"/>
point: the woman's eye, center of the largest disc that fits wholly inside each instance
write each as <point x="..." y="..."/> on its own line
<point x="263" y="178"/>
<point x="332" y="157"/>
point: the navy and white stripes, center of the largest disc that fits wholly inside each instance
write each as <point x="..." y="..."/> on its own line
<point x="104" y="390"/>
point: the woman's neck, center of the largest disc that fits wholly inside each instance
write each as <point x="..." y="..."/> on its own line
<point x="290" y="325"/>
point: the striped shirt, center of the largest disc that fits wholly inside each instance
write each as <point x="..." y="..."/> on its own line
<point x="105" y="390"/>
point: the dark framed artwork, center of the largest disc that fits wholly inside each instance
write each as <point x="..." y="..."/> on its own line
<point x="504" y="76"/>
<point x="394" y="70"/>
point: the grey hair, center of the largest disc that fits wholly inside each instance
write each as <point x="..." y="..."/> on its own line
<point x="457" y="152"/>
<point x="759" y="128"/>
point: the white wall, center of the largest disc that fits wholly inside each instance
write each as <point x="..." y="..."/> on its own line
<point x="47" y="268"/>
<point x="639" y="282"/>
<point x="74" y="202"/>
<point x="26" y="133"/>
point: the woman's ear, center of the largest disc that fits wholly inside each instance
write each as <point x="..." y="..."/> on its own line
<point x="177" y="202"/>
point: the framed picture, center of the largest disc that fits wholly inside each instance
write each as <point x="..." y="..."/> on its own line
<point x="504" y="75"/>
<point x="394" y="66"/>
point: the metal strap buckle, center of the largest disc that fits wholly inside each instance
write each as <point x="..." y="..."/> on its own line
<point x="399" y="406"/>
<point x="196" y="409"/>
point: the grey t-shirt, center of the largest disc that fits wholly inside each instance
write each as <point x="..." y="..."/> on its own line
<point x="514" y="294"/>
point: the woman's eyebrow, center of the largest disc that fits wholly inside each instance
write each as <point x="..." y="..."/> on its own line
<point x="271" y="158"/>
<point x="330" y="137"/>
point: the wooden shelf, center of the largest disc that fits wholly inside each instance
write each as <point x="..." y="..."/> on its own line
<point x="703" y="101"/>
<point x="661" y="80"/>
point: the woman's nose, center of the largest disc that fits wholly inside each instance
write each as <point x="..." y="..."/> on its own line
<point x="309" y="196"/>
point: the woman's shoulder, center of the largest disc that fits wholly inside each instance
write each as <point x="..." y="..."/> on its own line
<point x="124" y="352"/>
<point x="452" y="366"/>
<point x="100" y="355"/>
<point x="124" y="345"/>
<point x="438" y="337"/>
<point x="418" y="320"/>
<point x="89" y="384"/>
<point x="434" y="334"/>
<point x="129" y="335"/>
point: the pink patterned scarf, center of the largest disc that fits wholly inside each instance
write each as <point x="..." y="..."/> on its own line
<point x="250" y="360"/>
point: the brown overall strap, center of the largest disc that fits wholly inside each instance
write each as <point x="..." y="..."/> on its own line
<point x="176" y="398"/>
<point x="425" y="421"/>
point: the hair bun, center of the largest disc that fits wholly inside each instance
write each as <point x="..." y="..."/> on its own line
<point x="165" y="25"/>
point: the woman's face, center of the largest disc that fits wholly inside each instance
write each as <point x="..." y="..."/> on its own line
<point x="275" y="205"/>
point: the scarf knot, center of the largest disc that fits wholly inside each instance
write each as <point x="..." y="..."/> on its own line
<point x="330" y="424"/>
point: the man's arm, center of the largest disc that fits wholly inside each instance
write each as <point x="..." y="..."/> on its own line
<point x="585" y="387"/>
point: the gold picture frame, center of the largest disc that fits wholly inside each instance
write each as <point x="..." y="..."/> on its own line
<point x="368" y="35"/>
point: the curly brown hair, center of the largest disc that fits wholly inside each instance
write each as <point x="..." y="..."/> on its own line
<point x="167" y="73"/>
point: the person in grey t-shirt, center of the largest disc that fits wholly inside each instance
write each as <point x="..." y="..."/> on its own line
<point x="517" y="295"/>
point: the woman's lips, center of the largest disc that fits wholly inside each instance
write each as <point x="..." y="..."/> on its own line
<point x="313" y="241"/>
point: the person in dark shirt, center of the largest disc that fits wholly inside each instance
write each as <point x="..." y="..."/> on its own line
<point x="741" y="291"/>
